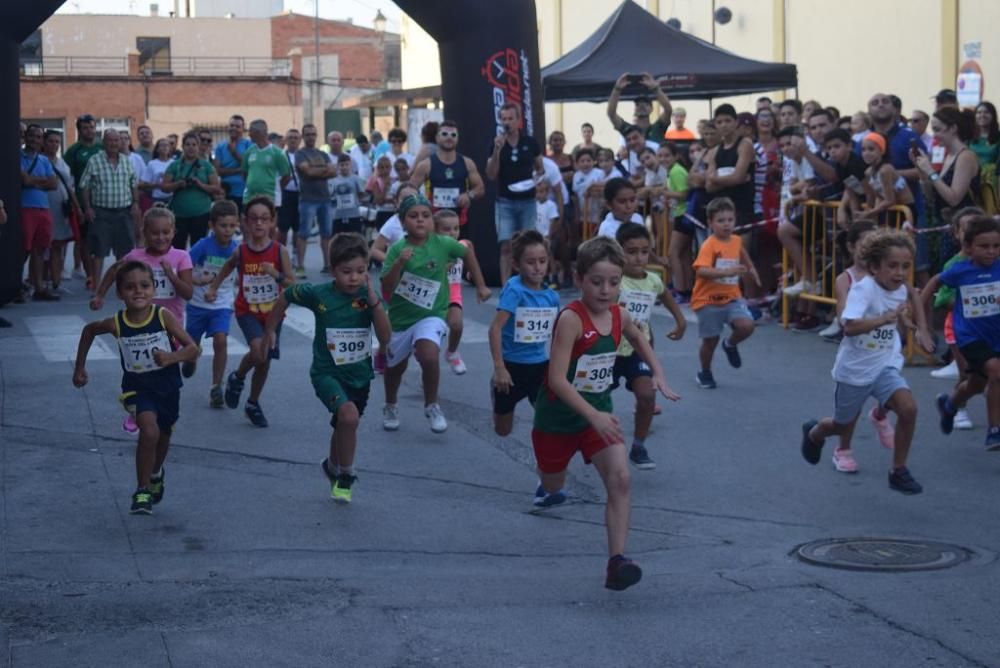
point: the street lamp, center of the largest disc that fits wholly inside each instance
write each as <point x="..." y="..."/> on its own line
<point x="379" y="21"/>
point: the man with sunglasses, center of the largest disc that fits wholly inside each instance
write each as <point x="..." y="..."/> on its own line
<point x="229" y="160"/>
<point x="205" y="145"/>
<point x="77" y="156"/>
<point x="449" y="179"/>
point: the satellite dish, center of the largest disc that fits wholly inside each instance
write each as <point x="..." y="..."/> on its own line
<point x="674" y="23"/>
<point x="723" y="16"/>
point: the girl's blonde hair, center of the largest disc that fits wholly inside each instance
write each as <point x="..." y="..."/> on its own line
<point x="158" y="213"/>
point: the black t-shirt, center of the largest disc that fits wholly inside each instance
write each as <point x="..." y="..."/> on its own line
<point x="517" y="163"/>
<point x="852" y="175"/>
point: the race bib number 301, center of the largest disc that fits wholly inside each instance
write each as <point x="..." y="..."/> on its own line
<point x="417" y="290"/>
<point x="980" y="301"/>
<point x="594" y="372"/>
<point x="259" y="288"/>
<point x="533" y="325"/>
<point x="137" y="350"/>
<point x="162" y="287"/>
<point x="348" y="346"/>
<point x="638" y="304"/>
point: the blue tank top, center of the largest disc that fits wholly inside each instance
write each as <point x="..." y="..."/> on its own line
<point x="445" y="182"/>
<point x="136" y="343"/>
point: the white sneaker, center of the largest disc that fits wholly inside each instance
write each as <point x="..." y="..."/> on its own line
<point x="455" y="362"/>
<point x="949" y="372"/>
<point x="799" y="288"/>
<point x="390" y="417"/>
<point x="434" y="414"/>
<point x="831" y="330"/>
<point x="962" y="420"/>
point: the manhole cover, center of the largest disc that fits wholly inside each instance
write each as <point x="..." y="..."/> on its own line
<point x="882" y="554"/>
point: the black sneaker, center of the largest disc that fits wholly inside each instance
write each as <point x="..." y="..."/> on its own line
<point x="255" y="414"/>
<point x="622" y="573"/>
<point x="732" y="354"/>
<point x="901" y="481"/>
<point x="640" y="457"/>
<point x="188" y="369"/>
<point x="156" y="487"/>
<point x="705" y="380"/>
<point x="947" y="413"/>
<point x="234" y="387"/>
<point x="811" y="450"/>
<point x="993" y="439"/>
<point x="330" y="475"/>
<point x="215" y="398"/>
<point x="142" y="502"/>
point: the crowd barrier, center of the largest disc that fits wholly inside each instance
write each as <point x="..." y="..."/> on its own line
<point x="822" y="263"/>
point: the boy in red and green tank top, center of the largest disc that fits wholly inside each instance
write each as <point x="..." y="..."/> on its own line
<point x="573" y="409"/>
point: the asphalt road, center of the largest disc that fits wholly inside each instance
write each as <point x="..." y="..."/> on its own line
<point x="442" y="560"/>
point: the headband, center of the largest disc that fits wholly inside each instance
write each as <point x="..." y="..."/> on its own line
<point x="876" y="139"/>
<point x="410" y="202"/>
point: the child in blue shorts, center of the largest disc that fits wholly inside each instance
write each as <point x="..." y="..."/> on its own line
<point x="977" y="324"/>
<point x="208" y="256"/>
<point x="521" y="329"/>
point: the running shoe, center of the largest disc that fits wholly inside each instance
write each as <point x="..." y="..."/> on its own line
<point x="129" y="425"/>
<point x="215" y="398"/>
<point x="142" y="502"/>
<point x="45" y="296"/>
<point x="732" y="354"/>
<point x="949" y="372"/>
<point x="255" y="414"/>
<point x="843" y="461"/>
<point x="705" y="380"/>
<point x="390" y="417"/>
<point x="962" y="419"/>
<point x="886" y="432"/>
<point x="831" y="331"/>
<point x="798" y="288"/>
<point x="543" y="499"/>
<point x="639" y="456"/>
<point x="300" y="271"/>
<point x="811" y="450"/>
<point x="234" y="387"/>
<point x="455" y="362"/>
<point x="993" y="439"/>
<point x="156" y="487"/>
<point x="901" y="481"/>
<point x="188" y="369"/>
<point x="341" y="490"/>
<point x="328" y="472"/>
<point x="947" y="413"/>
<point x="622" y="573"/>
<point x="434" y="413"/>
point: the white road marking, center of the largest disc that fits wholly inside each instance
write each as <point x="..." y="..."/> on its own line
<point x="57" y="337"/>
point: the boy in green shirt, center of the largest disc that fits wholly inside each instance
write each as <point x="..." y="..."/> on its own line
<point x="341" y="371"/>
<point x="415" y="273"/>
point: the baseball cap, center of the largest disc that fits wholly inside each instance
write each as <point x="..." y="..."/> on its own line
<point x="946" y="95"/>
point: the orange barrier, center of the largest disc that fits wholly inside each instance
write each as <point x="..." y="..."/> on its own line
<point x="658" y="221"/>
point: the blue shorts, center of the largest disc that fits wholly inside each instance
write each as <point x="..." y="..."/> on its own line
<point x="321" y="211"/>
<point x="253" y="328"/>
<point x="166" y="405"/>
<point x="514" y="215"/>
<point x="207" y="321"/>
<point x="630" y="367"/>
<point x="711" y="318"/>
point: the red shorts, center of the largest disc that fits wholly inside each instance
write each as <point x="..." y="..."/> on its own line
<point x="36" y="229"/>
<point x="553" y="451"/>
<point x="949" y="328"/>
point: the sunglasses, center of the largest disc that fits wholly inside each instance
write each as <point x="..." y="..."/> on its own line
<point x="395" y="141"/>
<point x="447" y="134"/>
<point x="205" y="140"/>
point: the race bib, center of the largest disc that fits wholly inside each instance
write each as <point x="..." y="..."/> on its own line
<point x="162" y="287"/>
<point x="347" y="201"/>
<point x="417" y="290"/>
<point x="937" y="154"/>
<point x="725" y="171"/>
<point x="880" y="338"/>
<point x="259" y="288"/>
<point x="638" y="304"/>
<point x="533" y="325"/>
<point x="455" y="272"/>
<point x="980" y="301"/>
<point x="725" y="263"/>
<point x="594" y="372"/>
<point x="137" y="350"/>
<point x="348" y="346"/>
<point x="445" y="198"/>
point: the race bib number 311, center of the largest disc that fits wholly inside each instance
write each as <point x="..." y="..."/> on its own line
<point x="594" y="372"/>
<point x="417" y="290"/>
<point x="533" y="325"/>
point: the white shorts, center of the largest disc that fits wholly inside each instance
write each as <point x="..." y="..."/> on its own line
<point x="402" y="343"/>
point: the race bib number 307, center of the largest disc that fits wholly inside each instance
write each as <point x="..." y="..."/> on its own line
<point x="594" y="373"/>
<point x="533" y="325"/>
<point x="980" y="301"/>
<point x="638" y="304"/>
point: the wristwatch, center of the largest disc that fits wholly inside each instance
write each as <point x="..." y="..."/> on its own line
<point x="933" y="176"/>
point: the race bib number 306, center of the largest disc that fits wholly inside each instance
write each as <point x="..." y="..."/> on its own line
<point x="594" y="373"/>
<point x="417" y="290"/>
<point x="259" y="289"/>
<point x="980" y="301"/>
<point x="533" y="325"/>
<point x="349" y="345"/>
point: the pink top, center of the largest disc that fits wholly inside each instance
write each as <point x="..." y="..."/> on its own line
<point x="165" y="295"/>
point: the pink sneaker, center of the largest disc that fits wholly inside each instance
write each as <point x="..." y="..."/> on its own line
<point x="886" y="432"/>
<point x="129" y="425"/>
<point x="843" y="461"/>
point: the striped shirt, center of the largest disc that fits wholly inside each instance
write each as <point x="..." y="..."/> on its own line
<point x="110" y="186"/>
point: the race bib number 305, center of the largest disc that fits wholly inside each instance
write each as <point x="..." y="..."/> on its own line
<point x="880" y="338"/>
<point x="533" y="325"/>
<point x="638" y="304"/>
<point x="980" y="301"/>
<point x="417" y="290"/>
<point x="162" y="287"/>
<point x="137" y="350"/>
<point x="259" y="288"/>
<point x="594" y="372"/>
<point x="349" y="345"/>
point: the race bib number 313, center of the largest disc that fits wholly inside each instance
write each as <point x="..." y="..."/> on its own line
<point x="533" y="325"/>
<point x="594" y="372"/>
<point x="259" y="289"/>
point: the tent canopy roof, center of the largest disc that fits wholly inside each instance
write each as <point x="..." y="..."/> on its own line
<point x="632" y="39"/>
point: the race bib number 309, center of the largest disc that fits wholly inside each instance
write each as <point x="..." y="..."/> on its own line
<point x="349" y="345"/>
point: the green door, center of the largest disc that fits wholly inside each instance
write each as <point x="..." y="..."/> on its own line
<point x="345" y="121"/>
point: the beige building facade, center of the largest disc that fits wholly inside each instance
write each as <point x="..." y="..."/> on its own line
<point x="844" y="51"/>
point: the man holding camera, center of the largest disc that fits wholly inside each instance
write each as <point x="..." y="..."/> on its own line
<point x="643" y="106"/>
<point x="194" y="183"/>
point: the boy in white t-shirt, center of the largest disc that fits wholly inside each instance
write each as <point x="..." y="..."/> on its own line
<point x="620" y="198"/>
<point x="797" y="177"/>
<point x="546" y="212"/>
<point x="584" y="178"/>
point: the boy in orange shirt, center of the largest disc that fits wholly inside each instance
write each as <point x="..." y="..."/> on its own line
<point x="717" y="299"/>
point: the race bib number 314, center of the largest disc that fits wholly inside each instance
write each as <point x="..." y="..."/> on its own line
<point x="533" y="325"/>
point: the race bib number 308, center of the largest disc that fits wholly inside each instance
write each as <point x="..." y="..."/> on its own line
<point x="594" y="373"/>
<point x="533" y="325"/>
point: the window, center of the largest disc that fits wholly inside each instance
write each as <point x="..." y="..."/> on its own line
<point x="31" y="54"/>
<point x="154" y="54"/>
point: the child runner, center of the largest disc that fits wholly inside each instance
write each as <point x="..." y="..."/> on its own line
<point x="341" y="371"/>
<point x="573" y="411"/>
<point x="209" y="255"/>
<point x="546" y="212"/>
<point x="151" y="381"/>
<point x="639" y="291"/>
<point x="521" y="329"/>
<point x="870" y="356"/>
<point x="346" y="189"/>
<point x="416" y="271"/>
<point x="977" y="324"/>
<point x="717" y="299"/>
<point x="263" y="268"/>
<point x="622" y="200"/>
<point x="447" y="222"/>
